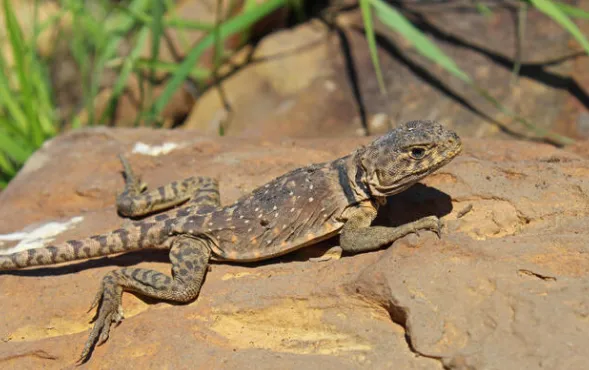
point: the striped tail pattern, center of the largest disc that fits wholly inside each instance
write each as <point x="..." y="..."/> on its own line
<point x="139" y="235"/>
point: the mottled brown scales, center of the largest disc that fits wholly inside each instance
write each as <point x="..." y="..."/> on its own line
<point x="297" y="209"/>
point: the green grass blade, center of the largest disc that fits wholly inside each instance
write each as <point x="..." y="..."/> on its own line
<point x="21" y="65"/>
<point x="128" y="66"/>
<point x="18" y="150"/>
<point x="395" y="20"/>
<point x="540" y="131"/>
<point x="9" y="101"/>
<point x="117" y="28"/>
<point x="41" y="84"/>
<point x="483" y="9"/>
<point x="6" y="167"/>
<point x="572" y="11"/>
<point x="371" y="39"/>
<point x="190" y="24"/>
<point x="392" y="18"/>
<point x="232" y="26"/>
<point x="157" y="31"/>
<point x="553" y="11"/>
<point x="198" y="73"/>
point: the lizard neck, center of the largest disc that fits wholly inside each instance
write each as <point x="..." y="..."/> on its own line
<point x="350" y="174"/>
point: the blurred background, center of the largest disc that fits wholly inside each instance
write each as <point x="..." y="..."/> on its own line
<point x="291" y="68"/>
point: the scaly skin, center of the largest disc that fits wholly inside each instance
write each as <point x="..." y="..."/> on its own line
<point x="292" y="211"/>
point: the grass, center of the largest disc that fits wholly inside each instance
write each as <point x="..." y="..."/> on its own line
<point x="97" y="32"/>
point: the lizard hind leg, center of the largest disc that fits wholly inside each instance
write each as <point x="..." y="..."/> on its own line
<point x="135" y="201"/>
<point x="189" y="257"/>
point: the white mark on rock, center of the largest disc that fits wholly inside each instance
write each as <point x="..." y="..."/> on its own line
<point x="38" y="237"/>
<point x="311" y="200"/>
<point x="154" y="150"/>
<point x="274" y="208"/>
<point x="292" y="209"/>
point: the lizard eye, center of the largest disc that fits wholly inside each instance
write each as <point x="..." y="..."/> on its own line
<point x="417" y="153"/>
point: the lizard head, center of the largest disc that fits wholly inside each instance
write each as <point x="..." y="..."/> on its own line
<point x="397" y="160"/>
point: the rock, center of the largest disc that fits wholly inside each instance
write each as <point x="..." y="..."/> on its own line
<point x="313" y="81"/>
<point x="505" y="287"/>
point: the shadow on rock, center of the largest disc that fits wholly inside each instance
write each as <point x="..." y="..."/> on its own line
<point x="412" y="204"/>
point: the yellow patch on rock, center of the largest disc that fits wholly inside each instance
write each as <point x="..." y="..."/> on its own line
<point x="289" y="326"/>
<point x="56" y="327"/>
<point x="65" y="326"/>
<point x="236" y="275"/>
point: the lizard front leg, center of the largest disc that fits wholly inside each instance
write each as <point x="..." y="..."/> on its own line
<point x="189" y="257"/>
<point x="135" y="201"/>
<point x="358" y="236"/>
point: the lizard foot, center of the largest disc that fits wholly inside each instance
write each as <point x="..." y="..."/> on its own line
<point x="110" y="311"/>
<point x="333" y="253"/>
<point x="133" y="184"/>
<point x="431" y="223"/>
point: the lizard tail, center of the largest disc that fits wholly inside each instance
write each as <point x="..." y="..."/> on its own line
<point x="137" y="236"/>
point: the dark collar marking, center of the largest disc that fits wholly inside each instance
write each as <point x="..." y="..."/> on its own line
<point x="344" y="181"/>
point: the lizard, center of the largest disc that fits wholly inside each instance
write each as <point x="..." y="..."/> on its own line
<point x="295" y="210"/>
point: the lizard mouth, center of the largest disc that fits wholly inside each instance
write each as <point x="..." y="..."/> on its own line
<point x="414" y="177"/>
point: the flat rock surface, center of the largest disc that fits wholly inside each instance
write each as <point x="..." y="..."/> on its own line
<point x="504" y="288"/>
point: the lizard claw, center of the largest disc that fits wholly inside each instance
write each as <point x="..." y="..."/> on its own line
<point x="133" y="183"/>
<point x="432" y="223"/>
<point x="96" y="300"/>
<point x="109" y="313"/>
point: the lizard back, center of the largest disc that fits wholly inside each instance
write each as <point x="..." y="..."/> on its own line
<point x="290" y="212"/>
